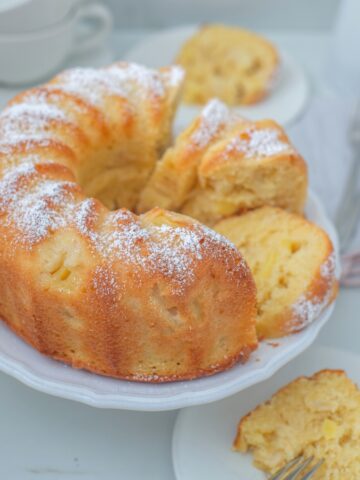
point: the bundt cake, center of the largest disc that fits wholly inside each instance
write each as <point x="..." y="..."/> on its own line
<point x="317" y="416"/>
<point x="229" y="63"/>
<point x="222" y="165"/>
<point x="156" y="297"/>
<point x="293" y="264"/>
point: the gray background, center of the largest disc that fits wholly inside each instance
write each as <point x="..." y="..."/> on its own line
<point x="262" y="14"/>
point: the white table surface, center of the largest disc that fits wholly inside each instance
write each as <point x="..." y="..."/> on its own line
<point x="42" y="437"/>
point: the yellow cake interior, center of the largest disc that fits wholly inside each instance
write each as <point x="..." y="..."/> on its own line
<point x="229" y="63"/>
<point x="285" y="253"/>
<point x="317" y="416"/>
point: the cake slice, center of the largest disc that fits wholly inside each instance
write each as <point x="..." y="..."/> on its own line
<point x="231" y="63"/>
<point x="175" y="175"/>
<point x="293" y="263"/>
<point x="317" y="416"/>
<point x="222" y="165"/>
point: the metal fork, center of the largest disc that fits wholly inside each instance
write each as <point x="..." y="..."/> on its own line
<point x="349" y="210"/>
<point x="297" y="469"/>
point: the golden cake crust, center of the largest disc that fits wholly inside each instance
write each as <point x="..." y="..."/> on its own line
<point x="156" y="297"/>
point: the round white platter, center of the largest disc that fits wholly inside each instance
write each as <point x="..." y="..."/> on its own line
<point x="286" y="101"/>
<point x="202" y="439"/>
<point x="42" y="373"/>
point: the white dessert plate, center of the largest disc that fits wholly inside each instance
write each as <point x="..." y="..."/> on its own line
<point x="202" y="439"/>
<point x="42" y="373"/>
<point x="285" y="102"/>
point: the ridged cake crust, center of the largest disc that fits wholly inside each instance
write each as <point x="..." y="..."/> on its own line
<point x="222" y="165"/>
<point x="156" y="297"/>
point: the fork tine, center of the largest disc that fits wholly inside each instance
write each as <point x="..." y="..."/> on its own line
<point x="280" y="473"/>
<point x="313" y="470"/>
<point x="295" y="467"/>
<point x="299" y="469"/>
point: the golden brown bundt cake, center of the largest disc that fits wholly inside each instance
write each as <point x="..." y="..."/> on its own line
<point x="116" y="121"/>
<point x="222" y="165"/>
<point x="229" y="63"/>
<point x="317" y="416"/>
<point x="293" y="264"/>
<point x="156" y="297"/>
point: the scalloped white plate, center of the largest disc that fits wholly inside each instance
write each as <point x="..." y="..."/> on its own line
<point x="40" y="372"/>
<point x="285" y="102"/>
<point x="203" y="437"/>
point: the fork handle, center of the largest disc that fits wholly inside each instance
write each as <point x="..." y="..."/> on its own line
<point x="349" y="209"/>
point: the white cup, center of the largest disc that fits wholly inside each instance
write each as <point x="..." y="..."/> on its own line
<point x="28" y="57"/>
<point x="23" y="16"/>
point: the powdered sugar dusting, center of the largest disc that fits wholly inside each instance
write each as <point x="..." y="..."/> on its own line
<point x="27" y="122"/>
<point x="149" y="80"/>
<point x="36" y="209"/>
<point x="11" y="183"/>
<point x="172" y="251"/>
<point x="119" y="79"/>
<point x="23" y="170"/>
<point x="105" y="283"/>
<point x="213" y="117"/>
<point x="83" y="217"/>
<point x="144" y="377"/>
<point x="308" y="308"/>
<point x="257" y="143"/>
<point x="36" y="205"/>
<point x="39" y="220"/>
<point x="327" y="269"/>
<point x="89" y="84"/>
<point x="174" y="76"/>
